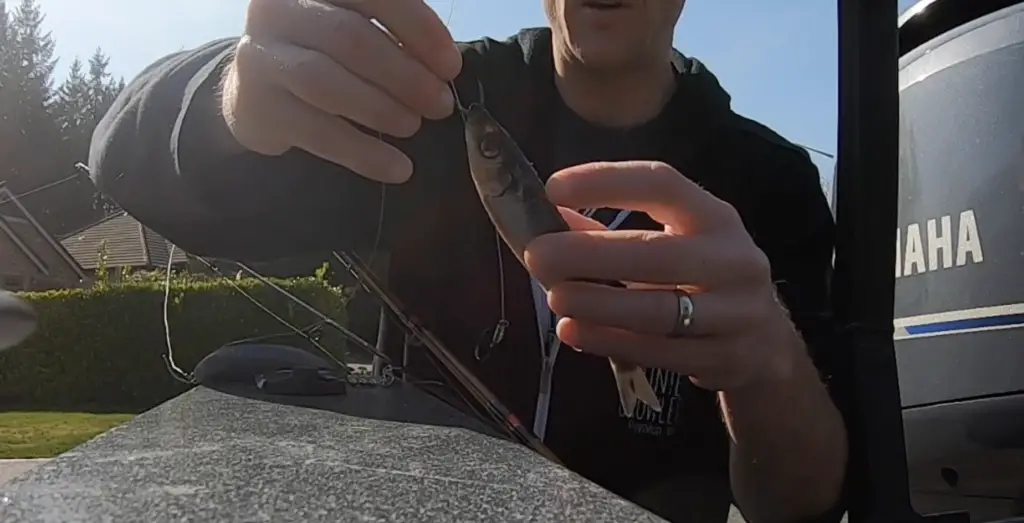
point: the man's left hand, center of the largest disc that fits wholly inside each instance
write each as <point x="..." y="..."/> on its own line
<point x="739" y="335"/>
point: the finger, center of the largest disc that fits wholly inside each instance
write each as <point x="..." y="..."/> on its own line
<point x="338" y="141"/>
<point x="688" y="356"/>
<point x="419" y="28"/>
<point x="652" y="312"/>
<point x="317" y="79"/>
<point x="654" y="188"/>
<point x="645" y="257"/>
<point x="578" y="222"/>
<point x="310" y="128"/>
<point x="354" y="42"/>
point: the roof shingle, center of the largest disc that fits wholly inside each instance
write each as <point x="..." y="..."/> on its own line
<point x="128" y="244"/>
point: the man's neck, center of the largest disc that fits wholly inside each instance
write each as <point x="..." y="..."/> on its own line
<point x="624" y="97"/>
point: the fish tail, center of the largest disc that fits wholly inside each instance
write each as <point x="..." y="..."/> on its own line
<point x="633" y="386"/>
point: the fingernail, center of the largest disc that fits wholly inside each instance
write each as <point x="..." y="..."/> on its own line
<point x="454" y="62"/>
<point x="400" y="170"/>
<point x="447" y="100"/>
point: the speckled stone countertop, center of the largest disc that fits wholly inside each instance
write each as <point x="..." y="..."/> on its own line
<point x="212" y="456"/>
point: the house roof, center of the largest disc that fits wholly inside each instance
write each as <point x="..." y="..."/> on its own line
<point x="128" y="244"/>
<point x="29" y="236"/>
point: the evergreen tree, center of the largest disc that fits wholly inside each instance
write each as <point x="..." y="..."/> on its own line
<point x="71" y="106"/>
<point x="6" y="47"/>
<point x="26" y="126"/>
<point x="100" y="84"/>
<point x="81" y="102"/>
<point x="8" y="96"/>
<point x="27" y="129"/>
<point x="45" y="131"/>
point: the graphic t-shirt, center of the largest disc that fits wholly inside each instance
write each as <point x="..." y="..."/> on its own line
<point x="575" y="142"/>
<point x="578" y="379"/>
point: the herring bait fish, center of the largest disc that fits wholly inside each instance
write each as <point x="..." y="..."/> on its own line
<point x="18" y="320"/>
<point x="516" y="202"/>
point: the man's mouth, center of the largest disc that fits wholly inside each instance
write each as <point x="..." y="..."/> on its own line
<point x="604" y="5"/>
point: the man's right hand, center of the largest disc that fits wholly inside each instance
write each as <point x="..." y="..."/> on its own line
<point x="304" y="70"/>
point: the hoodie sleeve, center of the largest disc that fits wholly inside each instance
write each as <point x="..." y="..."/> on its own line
<point x="154" y="153"/>
<point x="791" y="220"/>
<point x="800" y="244"/>
<point x="802" y="269"/>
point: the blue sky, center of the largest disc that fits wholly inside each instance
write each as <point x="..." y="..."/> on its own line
<point x="777" y="59"/>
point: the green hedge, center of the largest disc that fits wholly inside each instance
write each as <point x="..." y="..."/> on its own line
<point x="102" y="349"/>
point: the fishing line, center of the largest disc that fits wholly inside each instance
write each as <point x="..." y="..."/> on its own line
<point x="451" y="13"/>
<point x="188" y="378"/>
<point x="375" y="246"/>
<point x="274" y="315"/>
<point x="491" y="336"/>
<point x="451" y="83"/>
<point x="383" y="186"/>
<point x="492" y="407"/>
<point x="491" y="404"/>
<point x="348" y="334"/>
<point x="172" y="367"/>
<point x="313" y="331"/>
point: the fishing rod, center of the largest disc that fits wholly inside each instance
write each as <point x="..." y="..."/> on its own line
<point x="494" y="407"/>
<point x="820" y="152"/>
<point x="348" y="334"/>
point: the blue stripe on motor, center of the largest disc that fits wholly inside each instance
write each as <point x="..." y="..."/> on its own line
<point x="959" y="325"/>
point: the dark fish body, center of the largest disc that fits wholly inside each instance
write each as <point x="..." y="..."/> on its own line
<point x="516" y="202"/>
<point x="17" y="320"/>
<point x="509" y="187"/>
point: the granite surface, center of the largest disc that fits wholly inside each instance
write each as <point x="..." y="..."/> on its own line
<point x="214" y="456"/>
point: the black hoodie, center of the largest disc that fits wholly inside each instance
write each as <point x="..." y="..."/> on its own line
<point x="151" y="153"/>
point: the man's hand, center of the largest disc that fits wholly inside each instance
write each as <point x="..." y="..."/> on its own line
<point x="739" y="335"/>
<point x="306" y="71"/>
<point x="788" y="444"/>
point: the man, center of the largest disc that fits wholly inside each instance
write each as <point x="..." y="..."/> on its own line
<point x="283" y="141"/>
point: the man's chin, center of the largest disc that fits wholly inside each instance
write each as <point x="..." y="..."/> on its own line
<point x="603" y="56"/>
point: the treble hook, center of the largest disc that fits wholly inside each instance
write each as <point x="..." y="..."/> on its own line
<point x="463" y="109"/>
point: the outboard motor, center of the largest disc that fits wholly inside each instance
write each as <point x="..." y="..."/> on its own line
<point x="959" y="310"/>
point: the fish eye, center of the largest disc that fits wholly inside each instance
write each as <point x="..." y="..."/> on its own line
<point x="490" y="146"/>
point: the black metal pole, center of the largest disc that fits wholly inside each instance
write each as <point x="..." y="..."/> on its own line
<point x="863" y="283"/>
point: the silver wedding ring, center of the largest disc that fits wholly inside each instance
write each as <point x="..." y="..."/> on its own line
<point x="684" y="317"/>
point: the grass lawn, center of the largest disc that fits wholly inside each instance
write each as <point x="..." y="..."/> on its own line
<point x="46" y="434"/>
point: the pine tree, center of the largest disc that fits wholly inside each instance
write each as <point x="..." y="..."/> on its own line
<point x="99" y="82"/>
<point x="82" y="100"/>
<point x="27" y="67"/>
<point x="8" y="93"/>
<point x="27" y="130"/>
<point x="71" y="105"/>
<point x="45" y="131"/>
<point x="33" y="58"/>
<point x="6" y="47"/>
<point x="38" y="153"/>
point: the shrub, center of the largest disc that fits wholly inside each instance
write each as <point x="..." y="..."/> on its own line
<point x="102" y="348"/>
